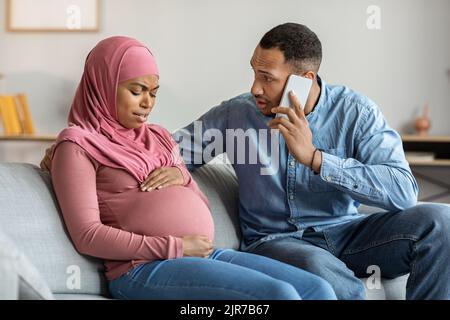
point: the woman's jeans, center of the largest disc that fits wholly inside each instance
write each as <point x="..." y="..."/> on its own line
<point x="225" y="275"/>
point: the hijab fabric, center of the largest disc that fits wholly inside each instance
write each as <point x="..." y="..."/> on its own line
<point x="93" y="122"/>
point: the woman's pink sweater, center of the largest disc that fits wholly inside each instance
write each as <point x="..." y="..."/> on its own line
<point x="108" y="217"/>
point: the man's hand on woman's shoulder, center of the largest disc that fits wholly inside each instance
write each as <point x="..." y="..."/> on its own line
<point x="46" y="162"/>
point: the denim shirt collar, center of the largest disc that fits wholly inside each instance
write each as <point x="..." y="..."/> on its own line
<point x="321" y="101"/>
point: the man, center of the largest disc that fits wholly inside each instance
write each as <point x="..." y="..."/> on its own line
<point x="336" y="152"/>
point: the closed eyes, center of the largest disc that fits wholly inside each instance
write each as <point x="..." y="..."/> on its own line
<point x="138" y="93"/>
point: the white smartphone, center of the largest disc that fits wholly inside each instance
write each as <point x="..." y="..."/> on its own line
<point x="300" y="86"/>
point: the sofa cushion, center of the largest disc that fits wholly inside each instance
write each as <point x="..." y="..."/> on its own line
<point x="390" y="289"/>
<point x="9" y="285"/>
<point x="20" y="279"/>
<point x="218" y="182"/>
<point x="29" y="215"/>
<point x="79" y="296"/>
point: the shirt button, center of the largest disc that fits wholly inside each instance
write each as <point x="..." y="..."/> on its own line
<point x="328" y="178"/>
<point x="292" y="163"/>
<point x="291" y="197"/>
<point x="355" y="187"/>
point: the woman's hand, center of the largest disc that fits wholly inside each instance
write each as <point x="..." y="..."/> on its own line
<point x="197" y="246"/>
<point x="46" y="162"/>
<point x="163" y="177"/>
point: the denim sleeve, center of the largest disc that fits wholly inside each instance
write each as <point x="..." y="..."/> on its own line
<point x="377" y="174"/>
<point x="195" y="137"/>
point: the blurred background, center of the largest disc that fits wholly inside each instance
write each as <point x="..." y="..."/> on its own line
<point x="397" y="52"/>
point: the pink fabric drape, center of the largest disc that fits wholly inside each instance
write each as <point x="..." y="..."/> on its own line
<point x="93" y="123"/>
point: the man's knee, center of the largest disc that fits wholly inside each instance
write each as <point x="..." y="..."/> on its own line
<point x="319" y="262"/>
<point x="433" y="214"/>
<point x="336" y="273"/>
<point x="435" y="220"/>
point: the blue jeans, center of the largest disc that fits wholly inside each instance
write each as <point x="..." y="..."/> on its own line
<point x="415" y="241"/>
<point x="226" y="274"/>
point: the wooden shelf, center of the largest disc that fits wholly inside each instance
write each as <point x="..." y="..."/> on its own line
<point x="438" y="145"/>
<point x="28" y="138"/>
<point x="416" y="138"/>
<point x="434" y="163"/>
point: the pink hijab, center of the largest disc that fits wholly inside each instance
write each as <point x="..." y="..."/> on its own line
<point x="93" y="123"/>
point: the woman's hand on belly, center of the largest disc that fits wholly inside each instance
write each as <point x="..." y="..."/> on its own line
<point x="197" y="246"/>
<point x="163" y="177"/>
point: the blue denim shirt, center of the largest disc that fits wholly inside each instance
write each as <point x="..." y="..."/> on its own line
<point x="363" y="162"/>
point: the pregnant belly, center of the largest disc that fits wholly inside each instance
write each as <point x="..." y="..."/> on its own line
<point x="175" y="211"/>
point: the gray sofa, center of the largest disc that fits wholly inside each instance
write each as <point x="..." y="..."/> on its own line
<point x="38" y="260"/>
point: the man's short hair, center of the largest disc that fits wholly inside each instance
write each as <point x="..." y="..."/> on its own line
<point x="301" y="47"/>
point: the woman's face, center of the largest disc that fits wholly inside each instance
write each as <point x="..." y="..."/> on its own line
<point x="135" y="100"/>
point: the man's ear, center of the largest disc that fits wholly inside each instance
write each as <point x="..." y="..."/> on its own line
<point x="310" y="75"/>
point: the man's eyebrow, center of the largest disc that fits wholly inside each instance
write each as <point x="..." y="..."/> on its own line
<point x="266" y="72"/>
<point x="261" y="71"/>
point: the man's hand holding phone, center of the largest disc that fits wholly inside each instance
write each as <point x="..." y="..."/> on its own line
<point x="301" y="86"/>
<point x="294" y="127"/>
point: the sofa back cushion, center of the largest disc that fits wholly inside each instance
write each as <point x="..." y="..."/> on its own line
<point x="219" y="183"/>
<point x="29" y="215"/>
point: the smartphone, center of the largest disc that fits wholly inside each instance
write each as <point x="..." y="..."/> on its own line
<point x="300" y="86"/>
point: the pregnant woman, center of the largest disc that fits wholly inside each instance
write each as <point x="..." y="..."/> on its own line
<point x="127" y="197"/>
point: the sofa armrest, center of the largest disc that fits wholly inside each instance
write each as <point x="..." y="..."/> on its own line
<point x="22" y="280"/>
<point x="9" y="286"/>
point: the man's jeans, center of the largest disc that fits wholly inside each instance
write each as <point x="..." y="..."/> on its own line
<point x="226" y="274"/>
<point x="415" y="241"/>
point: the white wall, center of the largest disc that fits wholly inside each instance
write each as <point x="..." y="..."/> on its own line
<point x="203" y="48"/>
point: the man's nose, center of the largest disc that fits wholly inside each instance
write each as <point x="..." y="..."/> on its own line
<point x="256" y="89"/>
